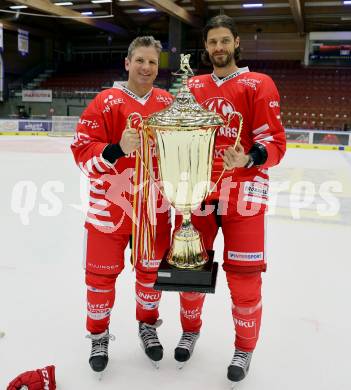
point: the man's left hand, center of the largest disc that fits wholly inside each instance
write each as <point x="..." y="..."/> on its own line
<point x="235" y="157"/>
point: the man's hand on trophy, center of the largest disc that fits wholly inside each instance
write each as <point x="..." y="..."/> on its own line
<point x="130" y="140"/>
<point x="235" y="157"/>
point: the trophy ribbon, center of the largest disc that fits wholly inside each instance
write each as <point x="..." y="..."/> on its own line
<point x="144" y="213"/>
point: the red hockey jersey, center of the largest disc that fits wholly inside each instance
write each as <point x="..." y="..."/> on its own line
<point x="256" y="97"/>
<point x="102" y="123"/>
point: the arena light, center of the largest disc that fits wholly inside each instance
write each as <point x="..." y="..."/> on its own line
<point x="87" y="13"/>
<point x="64" y="3"/>
<point x="147" y="10"/>
<point x="101" y="1"/>
<point x="18" y="6"/>
<point x="347" y="2"/>
<point x="252" y="5"/>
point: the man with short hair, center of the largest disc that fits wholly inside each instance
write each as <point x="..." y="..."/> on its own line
<point x="105" y="149"/>
<point x="240" y="199"/>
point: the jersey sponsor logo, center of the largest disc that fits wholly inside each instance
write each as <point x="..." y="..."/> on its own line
<point x="109" y="97"/>
<point x="80" y="139"/>
<point x="148" y="296"/>
<point x="245" y="256"/>
<point x="46" y="379"/>
<point x="142" y="100"/>
<point x="273" y="104"/>
<point x="150" y="263"/>
<point x="220" y="105"/>
<point x="98" y="306"/>
<point x="99" y="314"/>
<point x="255" y="189"/>
<point x="191" y="314"/>
<point x="252" y="83"/>
<point x="88" y="123"/>
<point x="245" y="327"/>
<point x="102" y="267"/>
<point x="111" y="101"/>
<point x="245" y="324"/>
<point x="229" y="132"/>
<point x="219" y="153"/>
<point x="224" y="107"/>
<point x="219" y="81"/>
<point x="164" y="99"/>
<point x="195" y="83"/>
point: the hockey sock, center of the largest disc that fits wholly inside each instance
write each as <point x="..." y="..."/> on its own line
<point x="190" y="310"/>
<point x="245" y="291"/>
<point x="100" y="301"/>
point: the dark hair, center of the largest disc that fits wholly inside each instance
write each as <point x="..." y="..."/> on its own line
<point x="216" y="22"/>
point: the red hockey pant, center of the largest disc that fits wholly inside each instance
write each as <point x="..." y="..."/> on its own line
<point x="244" y="259"/>
<point x="105" y="261"/>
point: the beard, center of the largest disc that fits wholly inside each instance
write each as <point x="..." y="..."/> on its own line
<point x="223" y="61"/>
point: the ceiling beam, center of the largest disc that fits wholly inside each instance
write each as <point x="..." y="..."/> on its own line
<point x="8" y="25"/>
<point x="200" y="7"/>
<point x="296" y="11"/>
<point x="47" y="7"/>
<point x="175" y="10"/>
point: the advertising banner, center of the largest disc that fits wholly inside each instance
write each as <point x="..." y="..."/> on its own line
<point x="34" y="126"/>
<point x="37" y="95"/>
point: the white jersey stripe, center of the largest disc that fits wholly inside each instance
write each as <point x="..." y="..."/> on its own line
<point x="268" y="139"/>
<point x="97" y="165"/>
<point x="97" y="191"/>
<point x="255" y="199"/>
<point x="81" y="166"/>
<point x="261" y="129"/>
<point x="89" y="166"/>
<point x="101" y="202"/>
<point x="103" y="213"/>
<point x="99" y="223"/>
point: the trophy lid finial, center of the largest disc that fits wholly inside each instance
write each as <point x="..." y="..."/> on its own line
<point x="184" y="113"/>
<point x="185" y="70"/>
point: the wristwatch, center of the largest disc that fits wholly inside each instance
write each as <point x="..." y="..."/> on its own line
<point x="250" y="163"/>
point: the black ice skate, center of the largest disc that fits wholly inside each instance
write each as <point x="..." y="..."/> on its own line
<point x="99" y="350"/>
<point x="150" y="342"/>
<point x="239" y="366"/>
<point x="185" y="347"/>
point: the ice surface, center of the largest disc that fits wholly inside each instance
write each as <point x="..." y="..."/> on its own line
<point x="305" y="338"/>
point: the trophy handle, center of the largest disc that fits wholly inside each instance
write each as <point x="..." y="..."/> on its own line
<point x="130" y="118"/>
<point x="229" y="119"/>
<point x="241" y="121"/>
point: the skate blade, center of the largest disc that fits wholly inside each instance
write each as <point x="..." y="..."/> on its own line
<point x="99" y="375"/>
<point x="155" y="364"/>
<point x="180" y="365"/>
<point x="234" y="385"/>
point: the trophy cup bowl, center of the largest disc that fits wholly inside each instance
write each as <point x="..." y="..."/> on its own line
<point x="185" y="135"/>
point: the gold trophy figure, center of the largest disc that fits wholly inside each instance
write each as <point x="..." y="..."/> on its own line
<point x="185" y="136"/>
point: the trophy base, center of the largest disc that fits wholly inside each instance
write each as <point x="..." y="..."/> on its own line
<point x="203" y="280"/>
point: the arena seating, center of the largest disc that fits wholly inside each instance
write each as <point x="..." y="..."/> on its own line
<point x="311" y="98"/>
<point x="69" y="82"/>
